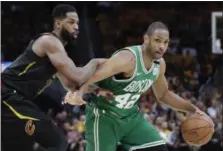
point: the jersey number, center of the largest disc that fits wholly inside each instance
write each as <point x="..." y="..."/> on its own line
<point x="126" y="101"/>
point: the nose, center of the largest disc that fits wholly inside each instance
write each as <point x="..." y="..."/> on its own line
<point x="76" y="27"/>
<point x="162" y="47"/>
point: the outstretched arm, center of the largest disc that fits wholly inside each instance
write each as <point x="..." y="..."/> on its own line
<point x="89" y="69"/>
<point x="165" y="96"/>
<point x="54" y="50"/>
<point x="123" y="62"/>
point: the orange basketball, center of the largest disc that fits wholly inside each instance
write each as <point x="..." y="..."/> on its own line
<point x="197" y="129"/>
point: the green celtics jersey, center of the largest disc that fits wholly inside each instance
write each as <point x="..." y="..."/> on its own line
<point x="127" y="91"/>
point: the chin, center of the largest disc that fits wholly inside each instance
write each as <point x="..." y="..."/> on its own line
<point x="157" y="57"/>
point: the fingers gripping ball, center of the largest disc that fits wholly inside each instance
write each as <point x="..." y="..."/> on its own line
<point x="197" y="130"/>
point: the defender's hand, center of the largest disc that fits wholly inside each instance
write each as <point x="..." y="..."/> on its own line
<point x="74" y="98"/>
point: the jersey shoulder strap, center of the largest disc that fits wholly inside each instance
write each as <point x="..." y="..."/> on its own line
<point x="135" y="50"/>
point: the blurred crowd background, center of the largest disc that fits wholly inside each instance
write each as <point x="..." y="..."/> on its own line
<point x="108" y="26"/>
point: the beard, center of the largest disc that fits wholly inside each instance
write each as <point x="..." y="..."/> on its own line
<point x="68" y="37"/>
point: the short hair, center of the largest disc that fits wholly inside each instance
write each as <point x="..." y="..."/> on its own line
<point x="60" y="11"/>
<point x="154" y="26"/>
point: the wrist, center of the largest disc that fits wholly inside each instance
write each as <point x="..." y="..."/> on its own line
<point x="194" y="109"/>
<point x="191" y="109"/>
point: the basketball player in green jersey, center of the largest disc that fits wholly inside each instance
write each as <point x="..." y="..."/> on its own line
<point x="128" y="74"/>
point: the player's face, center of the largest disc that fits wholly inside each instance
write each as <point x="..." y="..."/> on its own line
<point x="69" y="27"/>
<point x="157" y="43"/>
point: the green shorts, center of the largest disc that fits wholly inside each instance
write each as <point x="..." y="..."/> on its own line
<point x="104" y="131"/>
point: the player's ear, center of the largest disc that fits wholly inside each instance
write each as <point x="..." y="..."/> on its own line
<point x="146" y="38"/>
<point x="58" y="24"/>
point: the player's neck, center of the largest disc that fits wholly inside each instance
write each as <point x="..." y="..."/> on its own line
<point x="57" y="34"/>
<point x="147" y="59"/>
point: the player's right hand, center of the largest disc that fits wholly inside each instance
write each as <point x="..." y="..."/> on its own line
<point x="74" y="98"/>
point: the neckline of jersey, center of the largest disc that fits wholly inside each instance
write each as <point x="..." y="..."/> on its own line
<point x="142" y="62"/>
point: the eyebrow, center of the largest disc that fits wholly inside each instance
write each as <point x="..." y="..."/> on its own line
<point x="75" y="19"/>
<point x="71" y="19"/>
<point x="162" y="38"/>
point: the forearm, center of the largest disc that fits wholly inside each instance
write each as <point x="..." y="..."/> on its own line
<point x="68" y="85"/>
<point x="88" y="70"/>
<point x="176" y="102"/>
<point x="79" y="75"/>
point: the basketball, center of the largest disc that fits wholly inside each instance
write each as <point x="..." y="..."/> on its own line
<point x="197" y="130"/>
